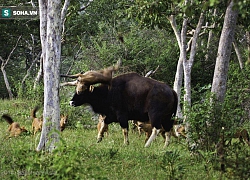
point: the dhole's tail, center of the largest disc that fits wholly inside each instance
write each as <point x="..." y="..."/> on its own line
<point x="33" y="112"/>
<point x="7" y="118"/>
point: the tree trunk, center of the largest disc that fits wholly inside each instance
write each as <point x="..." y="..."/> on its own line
<point x="248" y="47"/>
<point x="40" y="72"/>
<point x="187" y="64"/>
<point x="221" y="71"/>
<point x="7" y="84"/>
<point x="210" y="38"/>
<point x="237" y="51"/>
<point x="3" y="65"/>
<point x="224" y="52"/>
<point x="179" y="69"/>
<point x="51" y="54"/>
<point x="28" y="71"/>
<point x="178" y="85"/>
<point x="43" y="35"/>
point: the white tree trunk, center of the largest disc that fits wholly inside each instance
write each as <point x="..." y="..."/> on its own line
<point x="248" y="47"/>
<point x="52" y="54"/>
<point x="28" y="71"/>
<point x="237" y="51"/>
<point x="40" y="72"/>
<point x="187" y="64"/>
<point x="224" y="52"/>
<point x="43" y="35"/>
<point x="210" y="38"/>
<point x="7" y="83"/>
<point x="3" y="65"/>
<point x="221" y="69"/>
<point x="179" y="69"/>
<point x="178" y="84"/>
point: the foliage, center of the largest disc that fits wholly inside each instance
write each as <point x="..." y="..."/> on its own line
<point x="27" y="90"/>
<point x="171" y="163"/>
<point x="232" y="114"/>
<point x="210" y="123"/>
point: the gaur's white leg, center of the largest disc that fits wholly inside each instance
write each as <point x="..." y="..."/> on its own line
<point x="167" y="141"/>
<point x="175" y="127"/>
<point x="125" y="134"/>
<point x="152" y="137"/>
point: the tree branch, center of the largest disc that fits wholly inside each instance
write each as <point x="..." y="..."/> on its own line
<point x="87" y="5"/>
<point x="172" y="21"/>
<point x="7" y="60"/>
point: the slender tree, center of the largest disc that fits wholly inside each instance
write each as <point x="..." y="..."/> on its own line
<point x="221" y="70"/>
<point x="3" y="65"/>
<point x="50" y="32"/>
<point x="224" y="52"/>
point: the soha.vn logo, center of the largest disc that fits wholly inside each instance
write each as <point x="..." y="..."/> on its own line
<point x="6" y="13"/>
<point x="15" y="12"/>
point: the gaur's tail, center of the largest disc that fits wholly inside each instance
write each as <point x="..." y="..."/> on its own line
<point x="174" y="110"/>
<point x="7" y="118"/>
<point x="33" y="112"/>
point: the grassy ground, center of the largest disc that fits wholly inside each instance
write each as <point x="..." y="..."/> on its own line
<point x="80" y="157"/>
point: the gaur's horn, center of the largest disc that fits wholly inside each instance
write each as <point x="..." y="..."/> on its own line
<point x="71" y="76"/>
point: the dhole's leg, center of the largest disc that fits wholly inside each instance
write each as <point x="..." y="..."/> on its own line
<point x="101" y="132"/>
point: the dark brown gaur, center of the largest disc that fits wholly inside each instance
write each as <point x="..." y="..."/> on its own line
<point x="131" y="96"/>
<point x="83" y="81"/>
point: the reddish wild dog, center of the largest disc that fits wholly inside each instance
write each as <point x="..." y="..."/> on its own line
<point x="14" y="128"/>
<point x="242" y="135"/>
<point x="179" y="130"/>
<point x="99" y="125"/>
<point x="176" y="131"/>
<point x="37" y="122"/>
<point x="63" y="121"/>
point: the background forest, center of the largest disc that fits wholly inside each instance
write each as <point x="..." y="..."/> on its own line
<point x="140" y="33"/>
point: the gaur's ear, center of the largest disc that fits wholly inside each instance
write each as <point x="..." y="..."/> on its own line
<point x="91" y="88"/>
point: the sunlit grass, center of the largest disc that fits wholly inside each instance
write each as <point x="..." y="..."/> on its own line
<point x="79" y="156"/>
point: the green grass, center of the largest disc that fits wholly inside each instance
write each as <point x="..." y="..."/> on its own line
<point x="78" y="156"/>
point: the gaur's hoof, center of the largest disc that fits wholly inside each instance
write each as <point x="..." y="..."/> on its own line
<point x="126" y="143"/>
<point x="99" y="140"/>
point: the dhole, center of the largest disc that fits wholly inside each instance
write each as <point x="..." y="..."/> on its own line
<point x="14" y="128"/>
<point x="101" y="120"/>
<point x="63" y="121"/>
<point x="37" y="123"/>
